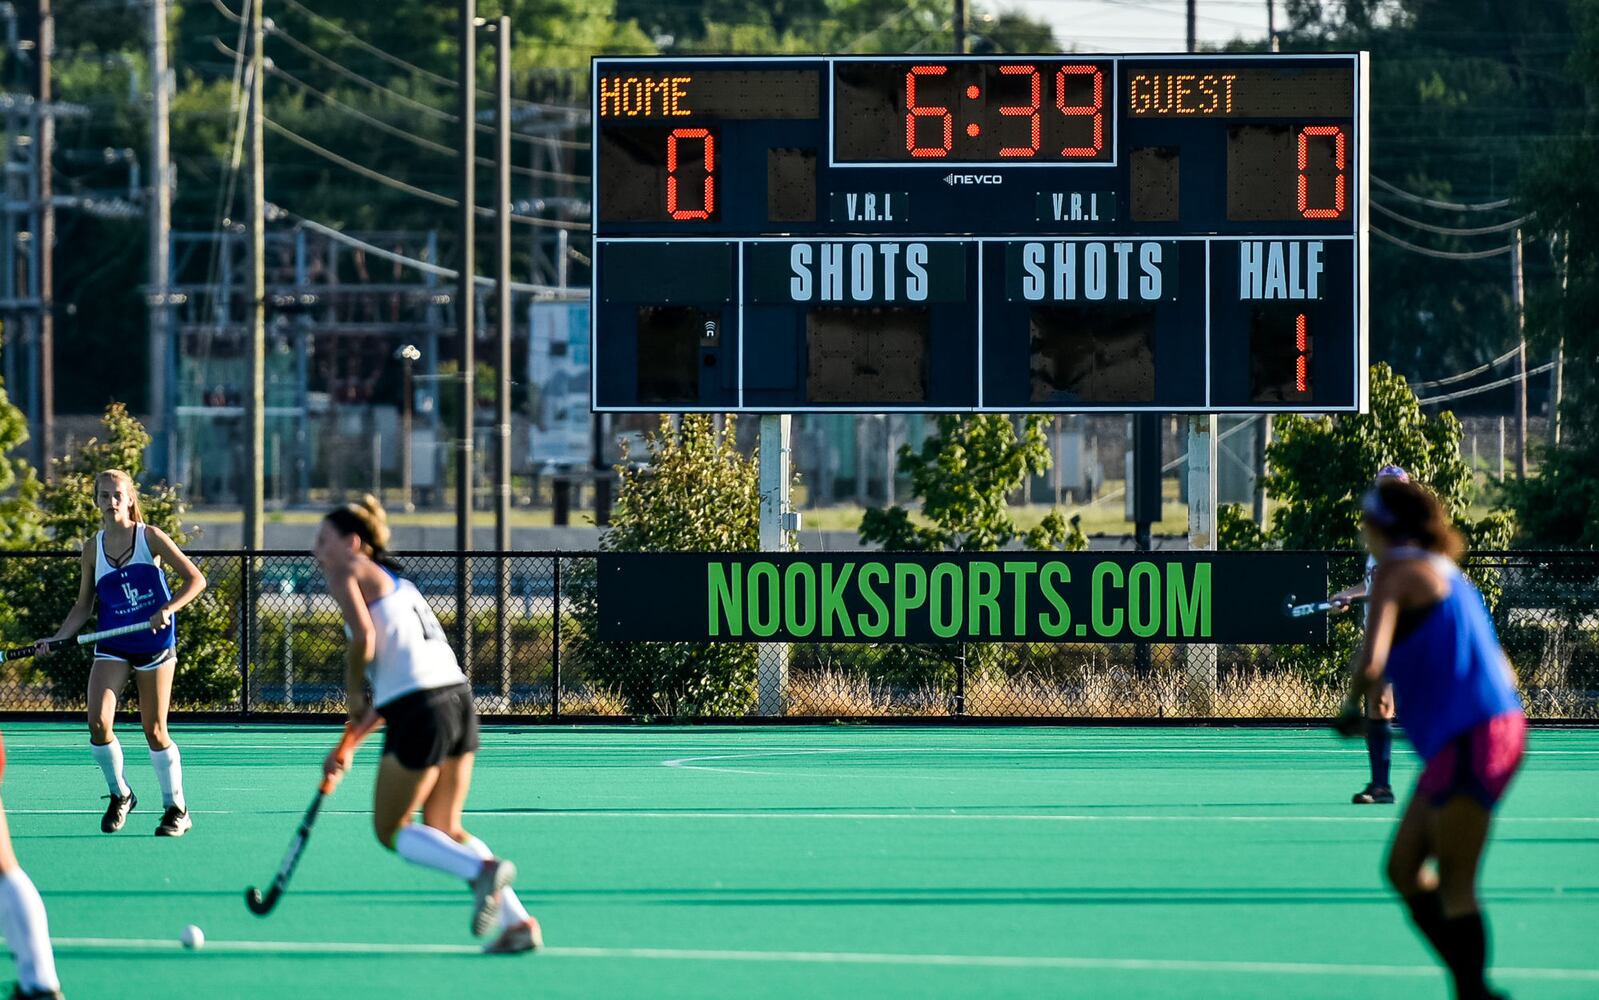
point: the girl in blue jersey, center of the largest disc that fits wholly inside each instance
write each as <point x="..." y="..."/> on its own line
<point x="1430" y="635"/>
<point x="122" y="571"/>
<point x="1379" y="709"/>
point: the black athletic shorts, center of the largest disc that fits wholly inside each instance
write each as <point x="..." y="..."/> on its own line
<point x="424" y="727"/>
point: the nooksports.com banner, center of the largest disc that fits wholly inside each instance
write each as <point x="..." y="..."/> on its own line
<point x="1078" y="597"/>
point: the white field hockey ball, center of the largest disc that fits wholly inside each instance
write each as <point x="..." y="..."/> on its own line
<point x="192" y="937"/>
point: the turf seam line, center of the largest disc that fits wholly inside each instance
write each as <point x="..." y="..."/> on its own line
<point x="829" y="958"/>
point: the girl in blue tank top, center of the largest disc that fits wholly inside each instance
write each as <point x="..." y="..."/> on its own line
<point x="123" y="575"/>
<point x="1430" y="635"/>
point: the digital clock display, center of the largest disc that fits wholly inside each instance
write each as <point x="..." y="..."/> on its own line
<point x="1004" y="234"/>
<point x="974" y="112"/>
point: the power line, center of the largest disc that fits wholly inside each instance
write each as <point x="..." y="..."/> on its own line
<point x="1442" y="254"/>
<point x="399" y="133"/>
<point x="1499" y="227"/>
<point x="427" y="267"/>
<point x="425" y="108"/>
<point x="411" y="189"/>
<point x="1462" y="376"/>
<point x="376" y="87"/>
<point x="1448" y="206"/>
<point x="1509" y="380"/>
<point x="395" y="60"/>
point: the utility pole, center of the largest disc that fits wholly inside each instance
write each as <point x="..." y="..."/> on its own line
<point x="1519" y="292"/>
<point x="466" y="327"/>
<point x="502" y="337"/>
<point x="1271" y="25"/>
<point x="408" y="355"/>
<point x="960" y="22"/>
<point x="1193" y="25"/>
<point x="163" y="437"/>
<point x="47" y="238"/>
<point x="255" y="300"/>
<point x="1557" y="378"/>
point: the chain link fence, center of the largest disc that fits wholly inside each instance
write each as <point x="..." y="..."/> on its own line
<point x="266" y="639"/>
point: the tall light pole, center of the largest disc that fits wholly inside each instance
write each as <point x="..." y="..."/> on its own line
<point x="502" y="342"/>
<point x="408" y="355"/>
<point x="255" y="299"/>
<point x="159" y="207"/>
<point x="466" y="327"/>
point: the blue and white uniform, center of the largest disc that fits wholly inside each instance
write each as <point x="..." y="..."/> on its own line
<point x="1457" y="692"/>
<point x="130" y="594"/>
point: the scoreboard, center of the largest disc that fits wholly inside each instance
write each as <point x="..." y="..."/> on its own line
<point x="998" y="234"/>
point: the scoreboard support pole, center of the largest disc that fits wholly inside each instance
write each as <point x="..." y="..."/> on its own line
<point x="772" y="657"/>
<point x="1200" y="660"/>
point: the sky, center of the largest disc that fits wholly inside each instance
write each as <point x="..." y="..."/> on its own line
<point x="1144" y="25"/>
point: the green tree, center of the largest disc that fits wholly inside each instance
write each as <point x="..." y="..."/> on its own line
<point x="1463" y="94"/>
<point x="19" y="486"/>
<point x="1560" y="507"/>
<point x="1319" y="468"/>
<point x="42" y="590"/>
<point x="963" y="474"/>
<point x="695" y="493"/>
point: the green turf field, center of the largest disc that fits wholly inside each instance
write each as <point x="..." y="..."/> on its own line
<point x="840" y="861"/>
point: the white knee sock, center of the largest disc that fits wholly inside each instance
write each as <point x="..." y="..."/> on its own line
<point x="430" y="848"/>
<point x="169" y="771"/>
<point x="109" y="757"/>
<point x="27" y="932"/>
<point x="512" y="911"/>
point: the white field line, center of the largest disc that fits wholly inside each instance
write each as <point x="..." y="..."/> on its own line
<point x="828" y="958"/>
<point x="850" y="816"/>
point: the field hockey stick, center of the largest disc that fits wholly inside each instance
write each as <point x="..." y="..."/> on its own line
<point x="262" y="905"/>
<point x="1293" y="610"/>
<point x="23" y="652"/>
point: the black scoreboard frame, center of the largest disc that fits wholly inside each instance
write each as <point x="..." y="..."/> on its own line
<point x="615" y="239"/>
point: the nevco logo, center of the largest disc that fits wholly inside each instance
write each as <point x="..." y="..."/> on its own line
<point x="954" y="179"/>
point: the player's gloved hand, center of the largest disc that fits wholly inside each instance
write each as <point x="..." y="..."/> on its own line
<point x="1351" y="721"/>
<point x="42" y="647"/>
<point x="1338" y="603"/>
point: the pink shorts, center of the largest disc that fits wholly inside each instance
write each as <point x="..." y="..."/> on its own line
<point x="1479" y="762"/>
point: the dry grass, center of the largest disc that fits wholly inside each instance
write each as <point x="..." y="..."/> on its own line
<point x="838" y="693"/>
<point x="586" y="699"/>
<point x="1102" y="692"/>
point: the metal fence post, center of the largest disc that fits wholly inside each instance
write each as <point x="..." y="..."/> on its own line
<point x="246" y="629"/>
<point x="960" y="680"/>
<point x="555" y="663"/>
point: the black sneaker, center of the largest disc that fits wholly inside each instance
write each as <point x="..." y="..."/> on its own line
<point x="18" y="993"/>
<point x="175" y="822"/>
<point x="116" y="813"/>
<point x="1374" y="794"/>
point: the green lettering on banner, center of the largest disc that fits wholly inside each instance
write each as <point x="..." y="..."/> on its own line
<point x="764" y="610"/>
<point x="946" y="621"/>
<point x="1143" y="609"/>
<point x="983" y="597"/>
<point x="1114" y="625"/>
<point x="879" y="625"/>
<point x="910" y="591"/>
<point x="833" y="608"/>
<point x="796" y="604"/>
<point x="1188" y="608"/>
<point x="1019" y="572"/>
<point x="1057" y="625"/>
<point x="726" y="595"/>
